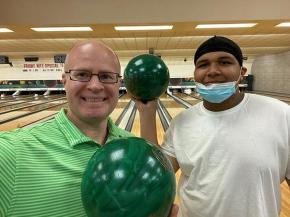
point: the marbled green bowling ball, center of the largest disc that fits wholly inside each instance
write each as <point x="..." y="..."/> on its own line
<point x="128" y="177"/>
<point x="146" y="77"/>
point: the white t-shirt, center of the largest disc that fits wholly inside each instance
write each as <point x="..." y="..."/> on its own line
<point x="232" y="162"/>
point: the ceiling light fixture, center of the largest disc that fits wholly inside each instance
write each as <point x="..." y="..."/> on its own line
<point x="230" y="25"/>
<point x="61" y="29"/>
<point x="124" y="28"/>
<point x="5" y="30"/>
<point x="284" y="24"/>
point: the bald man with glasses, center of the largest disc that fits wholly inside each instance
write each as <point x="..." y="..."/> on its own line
<point x="42" y="166"/>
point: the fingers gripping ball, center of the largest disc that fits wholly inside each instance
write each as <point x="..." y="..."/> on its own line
<point x="128" y="178"/>
<point x="146" y="77"/>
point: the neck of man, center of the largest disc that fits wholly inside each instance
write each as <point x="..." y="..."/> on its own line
<point x="97" y="130"/>
<point x="98" y="133"/>
<point x="227" y="104"/>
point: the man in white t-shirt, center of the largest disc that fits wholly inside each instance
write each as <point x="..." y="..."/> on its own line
<point x="233" y="148"/>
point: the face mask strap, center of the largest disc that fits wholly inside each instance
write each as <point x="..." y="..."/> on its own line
<point x="240" y="76"/>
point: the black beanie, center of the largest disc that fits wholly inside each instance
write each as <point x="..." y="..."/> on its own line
<point x="219" y="43"/>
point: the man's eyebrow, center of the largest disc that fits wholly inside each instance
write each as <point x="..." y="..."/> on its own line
<point x="226" y="57"/>
<point x="219" y="58"/>
<point x="107" y="71"/>
<point x="80" y="69"/>
<point x="201" y="61"/>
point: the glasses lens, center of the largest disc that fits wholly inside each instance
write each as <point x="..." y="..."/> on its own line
<point x="104" y="77"/>
<point x="108" y="77"/>
<point x="80" y="75"/>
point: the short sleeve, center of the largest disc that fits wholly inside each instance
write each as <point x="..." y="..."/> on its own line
<point x="7" y="171"/>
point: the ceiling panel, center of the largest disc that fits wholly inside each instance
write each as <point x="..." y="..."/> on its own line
<point x="179" y="42"/>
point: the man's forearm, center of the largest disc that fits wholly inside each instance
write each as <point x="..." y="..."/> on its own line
<point x="148" y="128"/>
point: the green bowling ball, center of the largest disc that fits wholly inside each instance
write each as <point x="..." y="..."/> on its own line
<point x="128" y="177"/>
<point x="146" y="77"/>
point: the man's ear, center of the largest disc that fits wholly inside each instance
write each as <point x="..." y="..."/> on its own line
<point x="244" y="70"/>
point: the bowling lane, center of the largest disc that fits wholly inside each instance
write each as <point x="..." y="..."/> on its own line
<point x="12" y="114"/>
<point x="123" y="101"/>
<point x="13" y="103"/>
<point x="136" y="127"/>
<point x="19" y="104"/>
<point x="20" y="122"/>
<point x="56" y="106"/>
<point x="171" y="105"/>
<point x="115" y="114"/>
<point x="27" y="102"/>
<point x="6" y="99"/>
<point x="173" y="108"/>
<point x="191" y="100"/>
<point x="42" y="115"/>
<point x="23" y="121"/>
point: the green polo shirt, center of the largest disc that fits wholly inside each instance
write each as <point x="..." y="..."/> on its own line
<point x="41" y="168"/>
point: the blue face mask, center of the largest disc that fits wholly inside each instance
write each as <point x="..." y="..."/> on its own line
<point x="216" y="93"/>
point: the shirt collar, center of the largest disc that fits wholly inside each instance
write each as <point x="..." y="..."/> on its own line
<point x="75" y="136"/>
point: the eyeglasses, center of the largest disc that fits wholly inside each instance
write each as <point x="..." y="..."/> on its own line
<point x="85" y="76"/>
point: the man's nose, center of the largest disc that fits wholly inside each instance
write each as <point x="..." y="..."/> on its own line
<point x="95" y="82"/>
<point x="213" y="69"/>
